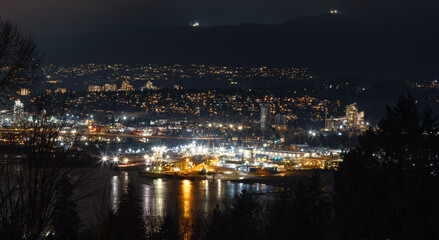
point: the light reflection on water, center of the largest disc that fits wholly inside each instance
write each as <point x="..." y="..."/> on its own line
<point x="115" y="192"/>
<point x="153" y="197"/>
<point x="160" y="196"/>
<point x="186" y="189"/>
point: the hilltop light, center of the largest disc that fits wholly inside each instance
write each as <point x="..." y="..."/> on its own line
<point x="194" y="24"/>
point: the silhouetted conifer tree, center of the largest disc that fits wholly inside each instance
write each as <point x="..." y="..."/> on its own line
<point x="169" y="228"/>
<point x="279" y="216"/>
<point x="243" y="216"/>
<point x="217" y="228"/>
<point x="387" y="187"/>
<point x="127" y="222"/>
<point x="67" y="222"/>
<point x="318" y="208"/>
<point x="239" y="220"/>
<point x="300" y="218"/>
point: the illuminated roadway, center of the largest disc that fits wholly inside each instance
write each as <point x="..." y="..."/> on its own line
<point x="112" y="134"/>
<point x="138" y="136"/>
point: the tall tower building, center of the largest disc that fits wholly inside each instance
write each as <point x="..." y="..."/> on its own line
<point x="4" y="120"/>
<point x="24" y="92"/>
<point x="280" y="119"/>
<point x="150" y="86"/>
<point x="126" y="86"/>
<point x="352" y="116"/>
<point x="265" y="115"/>
<point x="18" y="111"/>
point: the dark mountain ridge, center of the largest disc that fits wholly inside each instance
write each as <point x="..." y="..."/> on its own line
<point x="333" y="46"/>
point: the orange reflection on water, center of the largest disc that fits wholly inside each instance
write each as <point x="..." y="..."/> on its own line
<point x="186" y="190"/>
<point x="159" y="186"/>
<point x="186" y="221"/>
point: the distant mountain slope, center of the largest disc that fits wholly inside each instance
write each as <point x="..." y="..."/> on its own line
<point x="331" y="45"/>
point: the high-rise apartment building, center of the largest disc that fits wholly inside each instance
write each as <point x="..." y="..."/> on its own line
<point x="352" y="116"/>
<point x="265" y="115"/>
<point x="126" y="86"/>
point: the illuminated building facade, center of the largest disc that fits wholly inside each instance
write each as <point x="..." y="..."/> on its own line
<point x="5" y="118"/>
<point x="110" y="87"/>
<point x="352" y="121"/>
<point x="280" y="121"/>
<point x="60" y="90"/>
<point x="352" y="116"/>
<point x="150" y="86"/>
<point x="126" y="86"/>
<point x="18" y="111"/>
<point x="94" y="88"/>
<point x="24" y="92"/>
<point x="265" y="115"/>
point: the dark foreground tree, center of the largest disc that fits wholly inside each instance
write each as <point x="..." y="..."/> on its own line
<point x="66" y="220"/>
<point x="301" y="214"/>
<point x="388" y="188"/>
<point x="243" y="217"/>
<point x="239" y="219"/>
<point x="167" y="228"/>
<point x="127" y="222"/>
<point x="31" y="193"/>
<point x="19" y="59"/>
<point x="218" y="225"/>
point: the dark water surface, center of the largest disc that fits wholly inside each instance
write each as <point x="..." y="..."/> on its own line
<point x="188" y="196"/>
<point x="161" y="196"/>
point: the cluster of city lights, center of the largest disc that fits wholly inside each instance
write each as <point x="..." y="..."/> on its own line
<point x="115" y="159"/>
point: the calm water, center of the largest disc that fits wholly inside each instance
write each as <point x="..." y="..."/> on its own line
<point x="161" y="195"/>
<point x="186" y="196"/>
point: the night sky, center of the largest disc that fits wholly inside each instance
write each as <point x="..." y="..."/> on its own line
<point x="50" y="15"/>
<point x="61" y="24"/>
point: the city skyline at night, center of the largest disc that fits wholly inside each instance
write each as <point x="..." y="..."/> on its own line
<point x="219" y="119"/>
